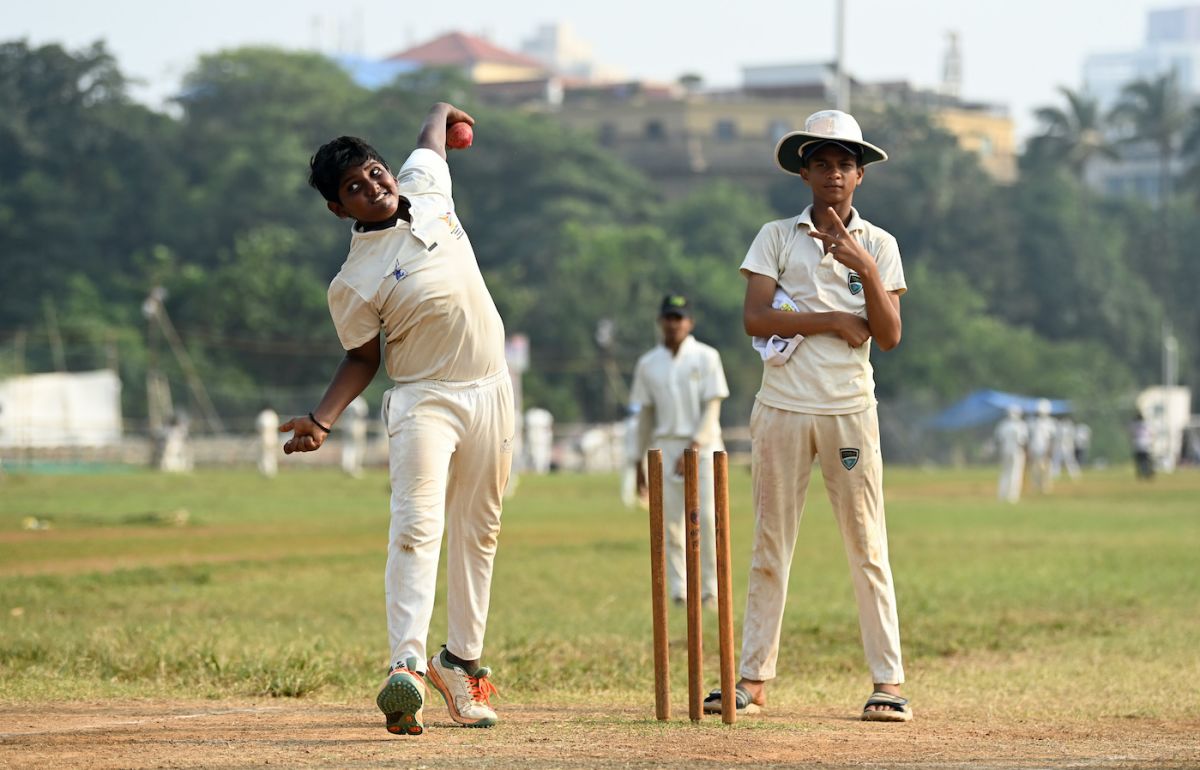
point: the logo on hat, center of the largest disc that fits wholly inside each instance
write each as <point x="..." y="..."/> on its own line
<point x="855" y="283"/>
<point x="674" y="304"/>
<point x="849" y="457"/>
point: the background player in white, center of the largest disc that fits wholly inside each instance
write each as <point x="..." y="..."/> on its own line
<point x="354" y="445"/>
<point x="677" y="392"/>
<point x="1041" y="444"/>
<point x="1011" y="437"/>
<point x="267" y="424"/>
<point x="1083" y="442"/>
<point x="539" y="439"/>
<point x="1062" y="452"/>
<point x="411" y="275"/>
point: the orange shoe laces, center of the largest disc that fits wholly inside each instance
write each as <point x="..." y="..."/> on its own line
<point x="481" y="689"/>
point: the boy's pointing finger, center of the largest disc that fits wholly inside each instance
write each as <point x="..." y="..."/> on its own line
<point x="837" y="223"/>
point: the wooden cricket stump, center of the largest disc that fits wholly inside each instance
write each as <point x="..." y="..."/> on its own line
<point x="724" y="586"/>
<point x="658" y="586"/>
<point x="695" y="617"/>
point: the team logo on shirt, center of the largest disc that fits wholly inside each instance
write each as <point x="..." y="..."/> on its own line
<point x="849" y="457"/>
<point x="452" y="223"/>
<point x="855" y="283"/>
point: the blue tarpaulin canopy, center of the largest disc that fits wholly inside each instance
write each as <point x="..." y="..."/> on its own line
<point x="988" y="406"/>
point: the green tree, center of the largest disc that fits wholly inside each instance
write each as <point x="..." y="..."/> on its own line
<point x="252" y="118"/>
<point x="715" y="225"/>
<point x="87" y="176"/>
<point x="1190" y="149"/>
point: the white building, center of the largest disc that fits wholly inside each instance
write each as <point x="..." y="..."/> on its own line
<point x="567" y="55"/>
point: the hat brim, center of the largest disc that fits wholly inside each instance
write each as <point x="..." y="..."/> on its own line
<point x="787" y="151"/>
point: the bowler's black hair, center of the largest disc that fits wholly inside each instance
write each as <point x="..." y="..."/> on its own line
<point x="332" y="160"/>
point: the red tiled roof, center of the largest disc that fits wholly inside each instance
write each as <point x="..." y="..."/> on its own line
<point x="456" y="48"/>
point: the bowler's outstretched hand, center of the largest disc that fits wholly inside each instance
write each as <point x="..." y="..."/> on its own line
<point x="307" y="435"/>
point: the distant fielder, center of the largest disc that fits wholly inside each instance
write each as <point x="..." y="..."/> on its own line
<point x="1011" y="437"/>
<point x="677" y="392"/>
<point x="411" y="275"/>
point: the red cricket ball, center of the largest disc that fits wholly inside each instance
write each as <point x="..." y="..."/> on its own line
<point x="459" y="136"/>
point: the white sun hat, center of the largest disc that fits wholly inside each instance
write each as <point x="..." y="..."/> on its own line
<point x="824" y="127"/>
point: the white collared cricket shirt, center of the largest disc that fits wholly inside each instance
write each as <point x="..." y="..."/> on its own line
<point x="420" y="283"/>
<point x="824" y="375"/>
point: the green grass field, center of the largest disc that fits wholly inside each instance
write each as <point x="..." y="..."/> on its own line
<point x="223" y="584"/>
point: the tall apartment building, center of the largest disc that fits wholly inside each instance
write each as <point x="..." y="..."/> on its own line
<point x="1171" y="44"/>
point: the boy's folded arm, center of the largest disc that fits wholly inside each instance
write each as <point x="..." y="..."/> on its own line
<point x="760" y="319"/>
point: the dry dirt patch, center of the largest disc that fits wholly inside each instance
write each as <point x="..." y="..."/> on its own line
<point x="289" y="733"/>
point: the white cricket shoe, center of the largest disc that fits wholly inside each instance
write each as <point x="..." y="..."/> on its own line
<point x="466" y="695"/>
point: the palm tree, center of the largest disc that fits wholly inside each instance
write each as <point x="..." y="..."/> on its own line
<point x="1153" y="112"/>
<point x="1072" y="133"/>
<point x="1190" y="148"/>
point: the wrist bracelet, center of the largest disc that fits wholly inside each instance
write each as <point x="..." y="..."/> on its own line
<point x="318" y="424"/>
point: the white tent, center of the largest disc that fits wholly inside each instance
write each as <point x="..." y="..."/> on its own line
<point x="61" y="409"/>
<point x="1167" y="411"/>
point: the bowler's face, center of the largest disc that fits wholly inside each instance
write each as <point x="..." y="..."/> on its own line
<point x="367" y="194"/>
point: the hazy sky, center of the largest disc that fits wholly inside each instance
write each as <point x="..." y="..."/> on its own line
<point x="1015" y="52"/>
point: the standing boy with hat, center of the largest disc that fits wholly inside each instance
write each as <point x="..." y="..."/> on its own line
<point x="845" y="278"/>
<point x="677" y="392"/>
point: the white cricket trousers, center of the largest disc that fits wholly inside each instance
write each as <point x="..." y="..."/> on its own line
<point x="1012" y="476"/>
<point x="783" y="446"/>
<point x="450" y="452"/>
<point x="675" y="520"/>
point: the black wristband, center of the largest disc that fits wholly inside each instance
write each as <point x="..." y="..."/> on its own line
<point x="318" y="424"/>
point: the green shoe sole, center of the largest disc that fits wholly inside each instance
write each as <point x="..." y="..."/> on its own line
<point x="400" y="701"/>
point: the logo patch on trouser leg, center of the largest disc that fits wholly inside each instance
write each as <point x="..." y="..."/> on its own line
<point x="849" y="457"/>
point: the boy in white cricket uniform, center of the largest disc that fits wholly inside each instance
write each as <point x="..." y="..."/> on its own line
<point x="267" y="424"/>
<point x="845" y="277"/>
<point x="411" y="274"/>
<point x="1011" y="437"/>
<point x="1041" y="440"/>
<point x="354" y="448"/>
<point x="677" y="392"/>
